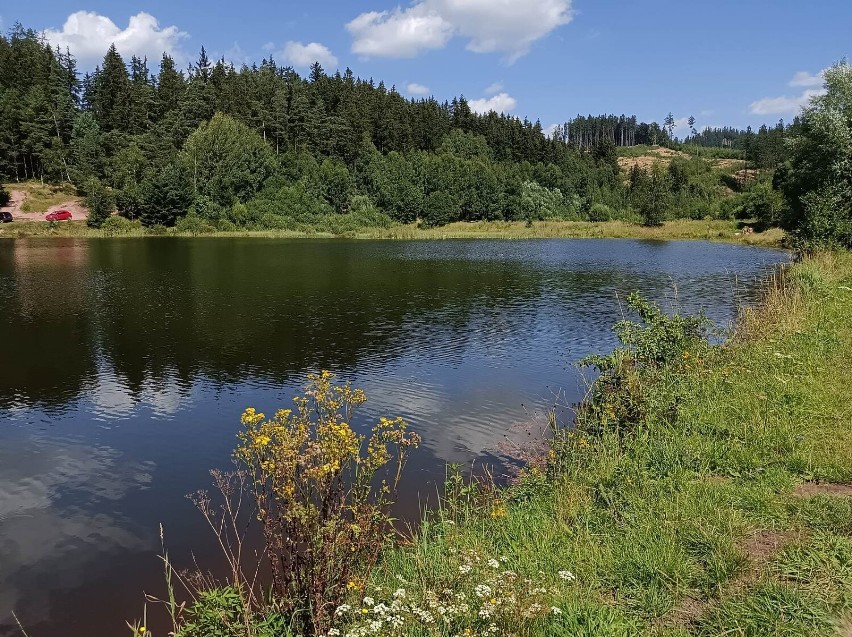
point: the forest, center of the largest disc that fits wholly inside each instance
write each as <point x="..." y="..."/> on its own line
<point x="221" y="148"/>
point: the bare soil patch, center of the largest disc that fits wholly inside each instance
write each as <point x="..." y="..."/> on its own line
<point x="758" y="549"/>
<point x="811" y="489"/>
<point x="16" y="204"/>
<point x="662" y="156"/>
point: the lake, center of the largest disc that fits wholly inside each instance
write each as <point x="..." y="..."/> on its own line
<point x="126" y="363"/>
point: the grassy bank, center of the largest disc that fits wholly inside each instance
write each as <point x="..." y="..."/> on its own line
<point x="723" y="231"/>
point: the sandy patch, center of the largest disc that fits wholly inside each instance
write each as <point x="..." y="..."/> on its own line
<point x="16" y="204"/>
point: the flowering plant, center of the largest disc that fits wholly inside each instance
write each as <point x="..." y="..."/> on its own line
<point x="324" y="511"/>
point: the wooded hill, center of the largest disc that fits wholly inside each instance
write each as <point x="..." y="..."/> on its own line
<point x="263" y="147"/>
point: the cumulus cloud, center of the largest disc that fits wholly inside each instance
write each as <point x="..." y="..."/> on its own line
<point x="303" y="55"/>
<point x="88" y="35"/>
<point x="495" y="88"/>
<point x="792" y="104"/>
<point x="500" y="103"/>
<point x="803" y="78"/>
<point x="489" y="26"/>
<point x="550" y="130"/>
<point x="417" y="89"/>
<point x="784" y="105"/>
<point x="398" y="33"/>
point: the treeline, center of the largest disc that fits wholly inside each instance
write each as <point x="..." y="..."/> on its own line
<point x="762" y="149"/>
<point x="263" y="147"/>
<point x="587" y="132"/>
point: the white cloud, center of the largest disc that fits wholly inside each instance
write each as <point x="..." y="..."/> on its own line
<point x="500" y="103"/>
<point x="501" y="26"/>
<point x="494" y="88"/>
<point x="803" y="78"/>
<point x="784" y="105"/>
<point x="398" y="33"/>
<point x="88" y="35"/>
<point x="303" y="55"/>
<point x="417" y="89"/>
<point x="548" y="131"/>
<point x="681" y="127"/>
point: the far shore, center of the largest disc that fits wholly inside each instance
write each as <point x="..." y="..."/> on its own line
<point x="718" y="231"/>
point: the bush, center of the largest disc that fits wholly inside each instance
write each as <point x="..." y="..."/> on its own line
<point x="4" y="196"/>
<point x="219" y="612"/>
<point x="600" y="212"/>
<point x="656" y="342"/>
<point x="115" y="226"/>
<point x="156" y="231"/>
<point x="194" y="225"/>
<point x="440" y="208"/>
<point x="99" y="201"/>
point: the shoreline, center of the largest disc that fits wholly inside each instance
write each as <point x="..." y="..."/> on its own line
<point x="683" y="230"/>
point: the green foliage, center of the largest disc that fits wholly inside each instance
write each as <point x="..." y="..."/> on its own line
<point x="466" y="145"/>
<point x="335" y="184"/>
<point x="619" y="397"/>
<point x="165" y="196"/>
<point x="219" y="612"/>
<point x="762" y="203"/>
<point x="818" y="179"/>
<point x="538" y="202"/>
<point x="116" y="226"/>
<point x="440" y="209"/>
<point x="227" y="161"/>
<point x="4" y="196"/>
<point x="100" y="202"/>
<point x="600" y="212"/>
<point x="194" y="225"/>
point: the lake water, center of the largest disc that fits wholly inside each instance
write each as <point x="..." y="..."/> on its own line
<point x="125" y="365"/>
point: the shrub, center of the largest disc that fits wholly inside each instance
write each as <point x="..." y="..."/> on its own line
<point x="194" y="225"/>
<point x="600" y="212"/>
<point x="440" y="208"/>
<point x="4" y="196"/>
<point x="656" y="342"/>
<point x="116" y="226"/>
<point x="99" y="201"/>
<point x="219" y="612"/>
<point x="156" y="231"/>
<point x="315" y="482"/>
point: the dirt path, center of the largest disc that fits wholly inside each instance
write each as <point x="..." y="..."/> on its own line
<point x="16" y="204"/>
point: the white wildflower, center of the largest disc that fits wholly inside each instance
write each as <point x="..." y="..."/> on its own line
<point x="399" y="593"/>
<point x="493" y="563"/>
<point x="464" y="569"/>
<point x="568" y="576"/>
<point x="482" y="590"/>
<point x="343" y="608"/>
<point x="369" y="601"/>
<point x="555" y="610"/>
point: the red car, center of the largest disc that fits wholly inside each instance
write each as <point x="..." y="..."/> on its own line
<point x="59" y="215"/>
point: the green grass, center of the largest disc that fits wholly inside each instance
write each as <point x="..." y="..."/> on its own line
<point x="657" y="526"/>
<point x="40" y="197"/>
<point x="723" y="231"/>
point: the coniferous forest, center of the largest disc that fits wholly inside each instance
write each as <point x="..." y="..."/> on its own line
<point x="262" y="147"/>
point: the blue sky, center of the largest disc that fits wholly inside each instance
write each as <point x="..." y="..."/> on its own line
<point x="735" y="62"/>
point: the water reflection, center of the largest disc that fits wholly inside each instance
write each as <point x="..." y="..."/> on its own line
<point x="124" y="366"/>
